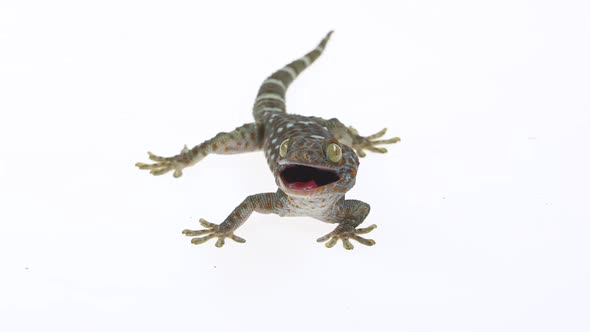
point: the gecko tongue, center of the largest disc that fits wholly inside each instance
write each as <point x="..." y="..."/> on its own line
<point x="303" y="185"/>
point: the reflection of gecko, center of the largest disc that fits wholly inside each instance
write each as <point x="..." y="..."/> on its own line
<point x="312" y="160"/>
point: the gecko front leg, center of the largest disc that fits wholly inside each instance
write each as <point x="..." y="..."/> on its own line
<point x="261" y="203"/>
<point x="242" y="139"/>
<point x="349" y="215"/>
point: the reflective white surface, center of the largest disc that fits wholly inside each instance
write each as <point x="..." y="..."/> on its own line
<point x="482" y="208"/>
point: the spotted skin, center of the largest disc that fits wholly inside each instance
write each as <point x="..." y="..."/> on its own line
<point x="309" y="182"/>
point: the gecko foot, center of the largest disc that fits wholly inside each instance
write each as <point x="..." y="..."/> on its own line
<point x="164" y="165"/>
<point x="362" y="143"/>
<point x="211" y="230"/>
<point x="346" y="233"/>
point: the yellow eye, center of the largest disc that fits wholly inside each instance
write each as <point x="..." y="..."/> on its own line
<point x="334" y="152"/>
<point x="283" y="148"/>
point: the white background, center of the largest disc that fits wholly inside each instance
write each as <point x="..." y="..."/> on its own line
<point x="482" y="208"/>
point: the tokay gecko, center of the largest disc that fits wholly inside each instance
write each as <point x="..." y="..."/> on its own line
<point x="314" y="162"/>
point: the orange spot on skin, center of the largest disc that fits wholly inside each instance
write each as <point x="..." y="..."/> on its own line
<point x="214" y="146"/>
<point x="238" y="143"/>
<point x="243" y="135"/>
<point x="253" y="136"/>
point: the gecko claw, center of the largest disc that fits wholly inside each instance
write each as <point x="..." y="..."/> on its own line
<point x="346" y="233"/>
<point x="370" y="142"/>
<point x="378" y="134"/>
<point x="211" y="230"/>
<point x="163" y="165"/>
<point x="237" y="238"/>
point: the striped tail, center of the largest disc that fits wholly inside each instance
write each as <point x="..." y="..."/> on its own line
<point x="271" y="96"/>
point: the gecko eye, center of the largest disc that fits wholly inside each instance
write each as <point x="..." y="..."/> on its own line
<point x="283" y="148"/>
<point x="334" y="152"/>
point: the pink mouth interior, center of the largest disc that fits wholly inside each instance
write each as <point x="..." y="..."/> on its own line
<point x="311" y="184"/>
<point x="306" y="178"/>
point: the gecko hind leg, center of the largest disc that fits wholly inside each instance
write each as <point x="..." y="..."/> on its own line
<point x="242" y="139"/>
<point x="360" y="143"/>
<point x="350" y="136"/>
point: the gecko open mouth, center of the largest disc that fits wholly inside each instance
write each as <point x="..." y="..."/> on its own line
<point x="300" y="177"/>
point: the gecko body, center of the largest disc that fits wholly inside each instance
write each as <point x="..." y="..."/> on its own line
<point x="314" y="162"/>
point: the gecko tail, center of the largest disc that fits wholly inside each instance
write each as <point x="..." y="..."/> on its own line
<point x="271" y="95"/>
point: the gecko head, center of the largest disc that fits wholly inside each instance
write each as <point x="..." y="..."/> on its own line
<point x="314" y="167"/>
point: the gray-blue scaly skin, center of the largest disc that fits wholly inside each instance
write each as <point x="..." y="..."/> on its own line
<point x="314" y="162"/>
